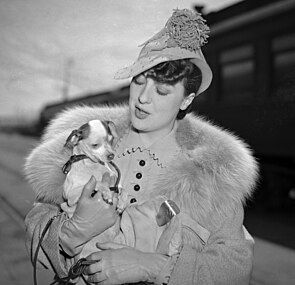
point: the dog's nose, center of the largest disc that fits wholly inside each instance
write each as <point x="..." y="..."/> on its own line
<point x="111" y="156"/>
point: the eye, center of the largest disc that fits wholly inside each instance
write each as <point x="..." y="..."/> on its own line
<point x="95" y="145"/>
<point x="162" y="92"/>
<point x="163" y="89"/>
<point x="139" y="79"/>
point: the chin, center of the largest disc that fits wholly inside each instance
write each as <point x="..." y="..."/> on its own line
<point x="139" y="125"/>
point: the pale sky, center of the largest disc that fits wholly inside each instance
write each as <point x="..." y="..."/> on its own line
<point x="91" y="39"/>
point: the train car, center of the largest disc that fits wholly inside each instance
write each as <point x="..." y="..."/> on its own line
<point x="252" y="55"/>
<point x="116" y="96"/>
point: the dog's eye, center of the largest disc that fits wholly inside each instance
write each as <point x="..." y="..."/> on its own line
<point x="95" y="145"/>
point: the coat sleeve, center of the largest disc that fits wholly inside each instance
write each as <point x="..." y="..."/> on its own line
<point x="50" y="254"/>
<point x="226" y="259"/>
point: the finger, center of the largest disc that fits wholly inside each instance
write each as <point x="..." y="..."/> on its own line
<point x="115" y="199"/>
<point x="97" y="278"/>
<point x="106" y="178"/>
<point x="109" y="282"/>
<point x="93" y="268"/>
<point x="89" y="187"/>
<point x="109" y="245"/>
<point x="95" y="256"/>
<point x="113" y="180"/>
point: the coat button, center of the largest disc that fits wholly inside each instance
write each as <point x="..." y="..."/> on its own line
<point x="142" y="163"/>
<point x="136" y="187"/>
<point x="133" y="200"/>
<point x="138" y="175"/>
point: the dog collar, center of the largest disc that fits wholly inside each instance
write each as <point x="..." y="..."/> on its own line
<point x="74" y="158"/>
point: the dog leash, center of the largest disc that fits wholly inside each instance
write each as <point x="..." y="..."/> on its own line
<point x="75" y="271"/>
<point x="38" y="248"/>
<point x="115" y="188"/>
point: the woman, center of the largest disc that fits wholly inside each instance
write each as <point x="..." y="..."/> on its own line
<point x="205" y="170"/>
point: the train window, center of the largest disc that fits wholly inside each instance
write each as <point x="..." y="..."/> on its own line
<point x="283" y="43"/>
<point x="236" y="54"/>
<point x="237" y="74"/>
<point x="283" y="49"/>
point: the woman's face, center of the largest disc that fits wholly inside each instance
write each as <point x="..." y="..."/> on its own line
<point x="154" y="106"/>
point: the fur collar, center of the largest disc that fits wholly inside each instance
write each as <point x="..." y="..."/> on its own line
<point x="217" y="171"/>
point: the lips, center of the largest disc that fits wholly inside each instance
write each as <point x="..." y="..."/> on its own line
<point x="140" y="113"/>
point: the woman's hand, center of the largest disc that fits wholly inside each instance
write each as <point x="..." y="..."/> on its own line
<point x="119" y="264"/>
<point x="92" y="215"/>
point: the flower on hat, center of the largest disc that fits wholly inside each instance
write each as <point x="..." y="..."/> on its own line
<point x="185" y="29"/>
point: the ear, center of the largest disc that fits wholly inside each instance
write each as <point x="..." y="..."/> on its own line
<point x="187" y="101"/>
<point x="113" y="131"/>
<point x="84" y="131"/>
<point x="72" y="139"/>
<point x="112" y="128"/>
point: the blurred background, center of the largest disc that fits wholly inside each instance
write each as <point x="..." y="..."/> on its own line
<point x="59" y="53"/>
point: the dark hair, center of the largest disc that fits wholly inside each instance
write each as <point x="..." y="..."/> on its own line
<point x="172" y="72"/>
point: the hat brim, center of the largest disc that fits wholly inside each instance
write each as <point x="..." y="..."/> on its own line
<point x="144" y="63"/>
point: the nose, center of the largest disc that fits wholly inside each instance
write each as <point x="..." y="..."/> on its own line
<point x="145" y="95"/>
<point x="110" y="156"/>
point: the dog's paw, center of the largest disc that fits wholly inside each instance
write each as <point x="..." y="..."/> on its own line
<point x="121" y="207"/>
<point x="68" y="209"/>
<point x="107" y="196"/>
<point x="120" y="190"/>
<point x="122" y="201"/>
<point x="119" y="210"/>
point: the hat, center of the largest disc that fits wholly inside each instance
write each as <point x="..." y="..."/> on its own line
<point x="182" y="37"/>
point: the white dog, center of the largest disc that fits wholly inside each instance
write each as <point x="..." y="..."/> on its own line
<point x="92" y="151"/>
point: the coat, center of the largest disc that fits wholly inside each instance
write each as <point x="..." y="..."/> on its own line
<point x="211" y="183"/>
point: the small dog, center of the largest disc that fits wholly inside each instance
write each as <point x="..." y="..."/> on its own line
<point x="92" y="149"/>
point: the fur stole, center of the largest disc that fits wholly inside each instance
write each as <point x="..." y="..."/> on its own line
<point x="216" y="174"/>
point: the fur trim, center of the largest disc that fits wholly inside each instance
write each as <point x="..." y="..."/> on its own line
<point x="73" y="118"/>
<point x="217" y="173"/>
<point x="217" y="170"/>
<point x="43" y="169"/>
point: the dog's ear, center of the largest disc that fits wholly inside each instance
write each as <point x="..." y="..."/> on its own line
<point x="113" y="131"/>
<point x="112" y="128"/>
<point x="77" y="135"/>
<point x="72" y="139"/>
<point x="84" y="131"/>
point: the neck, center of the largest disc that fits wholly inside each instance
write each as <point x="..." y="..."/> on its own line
<point x="149" y="138"/>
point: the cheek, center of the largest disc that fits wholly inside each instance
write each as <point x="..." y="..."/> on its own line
<point x="168" y="106"/>
<point x="133" y="92"/>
